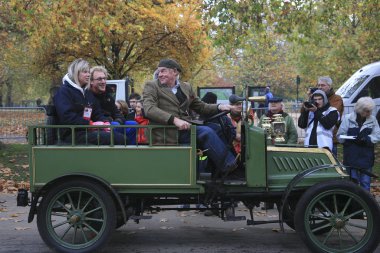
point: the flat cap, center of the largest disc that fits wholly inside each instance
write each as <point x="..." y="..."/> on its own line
<point x="234" y="99"/>
<point x="170" y="63"/>
<point x="275" y="100"/>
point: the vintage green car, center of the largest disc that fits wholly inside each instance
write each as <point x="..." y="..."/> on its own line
<point x="82" y="193"/>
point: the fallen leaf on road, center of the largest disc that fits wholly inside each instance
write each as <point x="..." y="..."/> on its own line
<point x="4" y="219"/>
<point x="14" y="215"/>
<point x="164" y="227"/>
<point x="275" y="229"/>
<point x="22" y="228"/>
<point x="236" y="229"/>
<point x="18" y="221"/>
<point x="3" y="209"/>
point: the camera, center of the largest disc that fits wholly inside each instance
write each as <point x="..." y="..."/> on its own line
<point x="309" y="104"/>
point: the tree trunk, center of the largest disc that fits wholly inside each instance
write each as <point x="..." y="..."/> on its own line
<point x="54" y="86"/>
<point x="9" y="85"/>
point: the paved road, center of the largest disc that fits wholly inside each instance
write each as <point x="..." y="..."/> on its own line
<point x="168" y="232"/>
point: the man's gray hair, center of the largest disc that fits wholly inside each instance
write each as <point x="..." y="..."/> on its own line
<point x="364" y="103"/>
<point x="77" y="66"/>
<point x="282" y="106"/>
<point x="99" y="69"/>
<point x="325" y="79"/>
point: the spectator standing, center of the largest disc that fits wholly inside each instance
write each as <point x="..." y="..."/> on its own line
<point x="276" y="106"/>
<point x="359" y="152"/>
<point x="268" y="95"/>
<point x="319" y="120"/>
<point x="325" y="84"/>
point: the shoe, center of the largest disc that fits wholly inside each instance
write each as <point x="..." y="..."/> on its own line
<point x="229" y="170"/>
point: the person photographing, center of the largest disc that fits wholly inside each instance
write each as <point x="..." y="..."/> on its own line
<point x="319" y="120"/>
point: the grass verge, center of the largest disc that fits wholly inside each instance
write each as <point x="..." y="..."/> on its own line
<point x="14" y="167"/>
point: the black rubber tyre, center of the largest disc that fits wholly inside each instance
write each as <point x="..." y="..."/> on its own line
<point x="326" y="218"/>
<point x="288" y="214"/>
<point x="76" y="216"/>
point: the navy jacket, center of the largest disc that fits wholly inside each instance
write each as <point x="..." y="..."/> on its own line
<point x="108" y="107"/>
<point x="359" y="153"/>
<point x="70" y="103"/>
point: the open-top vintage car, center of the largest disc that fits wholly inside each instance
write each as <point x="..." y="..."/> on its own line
<point x="82" y="193"/>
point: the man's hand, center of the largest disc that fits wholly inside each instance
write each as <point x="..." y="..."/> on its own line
<point x="181" y="124"/>
<point x="231" y="108"/>
<point x="311" y="109"/>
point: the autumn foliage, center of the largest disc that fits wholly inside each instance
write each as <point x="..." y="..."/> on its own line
<point x="124" y="36"/>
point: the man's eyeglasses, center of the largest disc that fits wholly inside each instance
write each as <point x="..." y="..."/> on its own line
<point x="99" y="79"/>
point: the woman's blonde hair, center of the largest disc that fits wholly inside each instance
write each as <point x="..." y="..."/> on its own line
<point x="364" y="103"/>
<point x="77" y="66"/>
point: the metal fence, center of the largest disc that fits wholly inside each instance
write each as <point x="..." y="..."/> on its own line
<point x="14" y="122"/>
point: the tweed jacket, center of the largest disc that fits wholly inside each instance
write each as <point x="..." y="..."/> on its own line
<point x="161" y="104"/>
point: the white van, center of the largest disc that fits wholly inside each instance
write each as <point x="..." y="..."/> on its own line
<point x="365" y="82"/>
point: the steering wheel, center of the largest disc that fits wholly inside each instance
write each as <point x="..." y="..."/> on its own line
<point x="222" y="124"/>
<point x="215" y="116"/>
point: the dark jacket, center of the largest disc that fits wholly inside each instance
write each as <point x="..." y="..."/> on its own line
<point x="70" y="103"/>
<point x="318" y="123"/>
<point x="108" y="107"/>
<point x="360" y="151"/>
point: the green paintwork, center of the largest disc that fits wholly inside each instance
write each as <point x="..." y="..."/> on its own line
<point x="170" y="169"/>
<point x="256" y="163"/>
<point x="284" y="165"/>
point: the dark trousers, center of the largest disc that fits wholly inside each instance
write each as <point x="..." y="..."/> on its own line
<point x="216" y="149"/>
